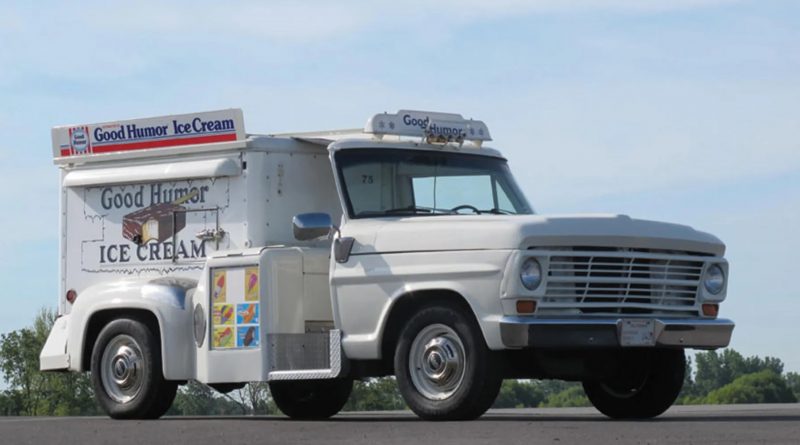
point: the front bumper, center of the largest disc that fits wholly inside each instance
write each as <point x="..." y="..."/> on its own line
<point x="521" y="332"/>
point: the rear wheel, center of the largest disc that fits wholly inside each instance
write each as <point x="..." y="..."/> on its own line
<point x="311" y="399"/>
<point x="126" y="372"/>
<point x="444" y="369"/>
<point x="648" y="384"/>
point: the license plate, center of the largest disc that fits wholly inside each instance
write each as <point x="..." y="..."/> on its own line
<point x="637" y="333"/>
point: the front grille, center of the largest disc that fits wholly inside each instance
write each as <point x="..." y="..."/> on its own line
<point x="622" y="281"/>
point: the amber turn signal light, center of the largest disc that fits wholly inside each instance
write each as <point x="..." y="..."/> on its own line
<point x="710" y="310"/>
<point x="526" y="306"/>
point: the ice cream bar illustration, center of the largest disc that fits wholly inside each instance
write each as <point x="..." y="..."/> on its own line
<point x="251" y="283"/>
<point x="227" y="314"/>
<point x="248" y="314"/>
<point x="219" y="286"/>
<point x="224" y="337"/>
<point x="250" y="336"/>
<point x="156" y="222"/>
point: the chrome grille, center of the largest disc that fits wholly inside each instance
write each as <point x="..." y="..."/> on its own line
<point x="622" y="281"/>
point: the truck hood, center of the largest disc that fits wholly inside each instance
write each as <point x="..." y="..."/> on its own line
<point x="478" y="232"/>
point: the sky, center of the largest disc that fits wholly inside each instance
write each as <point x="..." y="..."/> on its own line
<point x="683" y="111"/>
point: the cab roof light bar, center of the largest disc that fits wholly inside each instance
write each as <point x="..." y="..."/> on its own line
<point x="434" y="128"/>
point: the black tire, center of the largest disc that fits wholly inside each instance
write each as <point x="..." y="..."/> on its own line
<point x="311" y="399"/>
<point x="149" y="396"/>
<point x="649" y="384"/>
<point x="435" y="392"/>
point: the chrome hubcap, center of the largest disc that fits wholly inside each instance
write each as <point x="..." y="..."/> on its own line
<point x="121" y="369"/>
<point x="437" y="362"/>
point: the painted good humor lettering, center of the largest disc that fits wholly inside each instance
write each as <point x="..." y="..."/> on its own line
<point x="416" y="122"/>
<point x="101" y="134"/>
<point x="198" y="125"/>
<point x="130" y="131"/>
<point x="116" y="133"/>
<point x="142" y="196"/>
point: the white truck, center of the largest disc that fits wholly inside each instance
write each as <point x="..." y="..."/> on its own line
<point x="192" y="250"/>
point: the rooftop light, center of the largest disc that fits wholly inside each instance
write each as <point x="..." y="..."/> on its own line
<point x="434" y="127"/>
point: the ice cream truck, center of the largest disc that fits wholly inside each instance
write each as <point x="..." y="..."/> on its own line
<point x="191" y="250"/>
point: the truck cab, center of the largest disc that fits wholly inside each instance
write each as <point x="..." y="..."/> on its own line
<point x="192" y="250"/>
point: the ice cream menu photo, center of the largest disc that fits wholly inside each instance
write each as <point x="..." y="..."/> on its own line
<point x="236" y="310"/>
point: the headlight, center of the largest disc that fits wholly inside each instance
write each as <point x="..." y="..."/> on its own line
<point x="531" y="274"/>
<point x="714" y="280"/>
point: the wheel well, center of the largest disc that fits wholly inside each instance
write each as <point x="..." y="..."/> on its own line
<point x="100" y="319"/>
<point x="405" y="306"/>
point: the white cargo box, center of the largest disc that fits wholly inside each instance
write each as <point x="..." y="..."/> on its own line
<point x="157" y="196"/>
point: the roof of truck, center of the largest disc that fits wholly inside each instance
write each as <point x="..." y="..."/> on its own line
<point x="223" y="130"/>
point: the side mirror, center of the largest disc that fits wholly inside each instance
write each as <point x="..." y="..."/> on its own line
<point x="308" y="226"/>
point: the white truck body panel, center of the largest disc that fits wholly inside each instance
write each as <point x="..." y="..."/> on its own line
<point x="249" y="188"/>
<point x="165" y="298"/>
<point x="365" y="288"/>
<point x="54" y="354"/>
<point x="478" y="232"/>
<point x="188" y="219"/>
<point x="101" y="221"/>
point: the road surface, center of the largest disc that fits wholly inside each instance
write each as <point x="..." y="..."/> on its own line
<point x="737" y="424"/>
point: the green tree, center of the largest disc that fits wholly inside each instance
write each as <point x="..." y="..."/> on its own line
<point x="31" y="392"/>
<point x="256" y="397"/>
<point x="760" y="387"/>
<point x="793" y="382"/>
<point x="11" y="403"/>
<point x="197" y="399"/>
<point x="519" y="394"/>
<point x="573" y="396"/>
<point x="378" y="394"/>
<point x="17" y="363"/>
<point x="717" y="369"/>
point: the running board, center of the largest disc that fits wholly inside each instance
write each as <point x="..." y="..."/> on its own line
<point x="309" y="356"/>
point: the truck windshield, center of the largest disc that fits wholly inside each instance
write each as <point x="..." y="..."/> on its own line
<point x="388" y="182"/>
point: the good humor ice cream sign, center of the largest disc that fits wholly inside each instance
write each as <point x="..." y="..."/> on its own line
<point x="142" y="134"/>
<point x="127" y="227"/>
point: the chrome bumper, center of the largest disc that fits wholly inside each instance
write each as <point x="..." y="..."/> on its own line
<point x="520" y="332"/>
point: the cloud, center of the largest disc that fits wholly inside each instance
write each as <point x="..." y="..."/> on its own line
<point x="305" y="21"/>
<point x="100" y="42"/>
<point x="312" y="20"/>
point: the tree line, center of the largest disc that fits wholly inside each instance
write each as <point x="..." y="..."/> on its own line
<point x="714" y="377"/>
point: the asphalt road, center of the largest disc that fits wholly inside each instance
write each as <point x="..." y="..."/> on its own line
<point x="739" y="424"/>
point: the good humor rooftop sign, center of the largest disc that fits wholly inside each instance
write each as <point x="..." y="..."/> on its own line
<point x="142" y="134"/>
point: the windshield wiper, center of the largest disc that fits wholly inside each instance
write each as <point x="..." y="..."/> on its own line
<point x="410" y="209"/>
<point x="496" y="211"/>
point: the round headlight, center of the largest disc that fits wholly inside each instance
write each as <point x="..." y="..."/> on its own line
<point x="199" y="325"/>
<point x="531" y="273"/>
<point x="714" y="280"/>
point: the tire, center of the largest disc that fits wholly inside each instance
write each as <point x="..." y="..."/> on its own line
<point x="311" y="399"/>
<point x="651" y="385"/>
<point x="126" y="372"/>
<point x="444" y="369"/>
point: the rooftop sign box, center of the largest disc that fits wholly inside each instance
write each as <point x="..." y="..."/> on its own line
<point x="436" y="127"/>
<point x="144" y="134"/>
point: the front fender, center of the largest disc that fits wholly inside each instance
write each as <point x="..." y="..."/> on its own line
<point x="367" y="287"/>
<point x="168" y="299"/>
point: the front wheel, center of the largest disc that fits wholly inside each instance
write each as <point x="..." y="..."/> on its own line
<point x="311" y="399"/>
<point x="647" y="385"/>
<point x="126" y="372"/>
<point x="444" y="369"/>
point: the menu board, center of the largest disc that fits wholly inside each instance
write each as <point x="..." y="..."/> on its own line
<point x="235" y="308"/>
